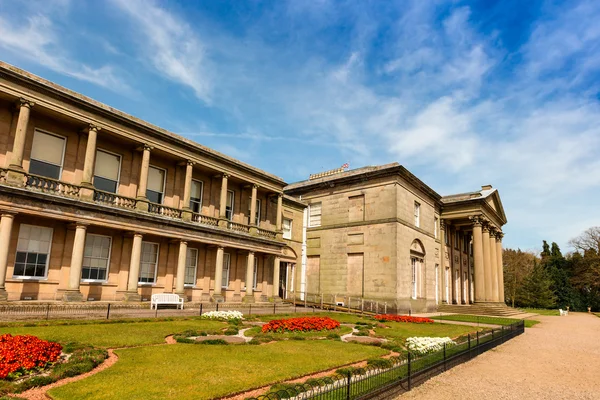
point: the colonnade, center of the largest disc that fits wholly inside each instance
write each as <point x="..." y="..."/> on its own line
<point x="487" y="260"/>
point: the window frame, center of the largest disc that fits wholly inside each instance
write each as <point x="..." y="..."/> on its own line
<point x="226" y="276"/>
<point x="290" y="230"/>
<point x="26" y="277"/>
<point x="310" y="208"/>
<point x="436" y="221"/>
<point x="199" y="202"/>
<point x="457" y="240"/>
<point x="120" y="165"/>
<point x="107" y="260"/>
<point x="255" y="280"/>
<point x="155" y="265"/>
<point x="414" y="277"/>
<point x="232" y="204"/>
<point x="258" y="209"/>
<point x="62" y="159"/>
<point x="164" y="185"/>
<point x="417" y="212"/>
<point x="195" y="268"/>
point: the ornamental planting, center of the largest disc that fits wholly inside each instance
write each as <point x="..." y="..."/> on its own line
<point x="302" y="324"/>
<point x="223" y="315"/>
<point x="402" y="318"/>
<point x="24" y="353"/>
<point x="426" y="345"/>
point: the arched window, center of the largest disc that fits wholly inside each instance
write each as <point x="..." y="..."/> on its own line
<point x="417" y="256"/>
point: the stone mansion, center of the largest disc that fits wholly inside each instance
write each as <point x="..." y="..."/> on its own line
<point x="97" y="205"/>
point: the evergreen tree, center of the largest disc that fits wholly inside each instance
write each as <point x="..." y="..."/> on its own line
<point x="536" y="291"/>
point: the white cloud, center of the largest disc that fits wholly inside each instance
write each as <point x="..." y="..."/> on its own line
<point x="171" y="45"/>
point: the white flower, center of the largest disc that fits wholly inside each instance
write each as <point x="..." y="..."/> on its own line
<point x="223" y="315"/>
<point x="425" y="345"/>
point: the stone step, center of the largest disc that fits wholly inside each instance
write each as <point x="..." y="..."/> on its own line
<point x="488" y="309"/>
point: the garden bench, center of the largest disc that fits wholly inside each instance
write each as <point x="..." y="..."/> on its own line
<point x="563" y="312"/>
<point x="165" y="298"/>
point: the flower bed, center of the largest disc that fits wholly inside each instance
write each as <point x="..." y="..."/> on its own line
<point x="223" y="315"/>
<point x="302" y="324"/>
<point x="23" y="353"/>
<point x="426" y="345"/>
<point x="402" y="318"/>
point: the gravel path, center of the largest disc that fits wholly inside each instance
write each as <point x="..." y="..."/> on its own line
<point x="557" y="359"/>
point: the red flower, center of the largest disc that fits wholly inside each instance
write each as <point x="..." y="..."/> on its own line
<point x="25" y="352"/>
<point x="402" y="318"/>
<point x="302" y="324"/>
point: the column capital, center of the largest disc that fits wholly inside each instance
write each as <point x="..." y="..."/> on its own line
<point x="8" y="214"/>
<point x="250" y="252"/>
<point x="485" y="227"/>
<point x="94" y="127"/>
<point x="137" y="234"/>
<point x="145" y="147"/>
<point x="190" y="163"/>
<point x="185" y="242"/>
<point x="492" y="230"/>
<point x="77" y="224"/>
<point x="477" y="220"/>
<point x="225" y="175"/>
<point x="499" y="236"/>
<point x="23" y="102"/>
<point x="442" y="224"/>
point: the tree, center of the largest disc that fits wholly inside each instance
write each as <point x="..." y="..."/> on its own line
<point x="536" y="290"/>
<point x="517" y="266"/>
<point x="588" y="240"/>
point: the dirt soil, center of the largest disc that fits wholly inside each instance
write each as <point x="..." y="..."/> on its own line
<point x="557" y="359"/>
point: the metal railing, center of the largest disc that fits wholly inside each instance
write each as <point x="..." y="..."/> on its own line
<point x="114" y="199"/>
<point x="164" y="210"/>
<point x="405" y="372"/>
<point x="338" y="302"/>
<point x="205" y="219"/>
<point x="49" y="185"/>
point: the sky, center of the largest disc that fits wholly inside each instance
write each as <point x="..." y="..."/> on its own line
<point x="461" y="93"/>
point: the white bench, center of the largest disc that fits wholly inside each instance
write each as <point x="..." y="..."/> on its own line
<point x="165" y="298"/>
<point x="563" y="312"/>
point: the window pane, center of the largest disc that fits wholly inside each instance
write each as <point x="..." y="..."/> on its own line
<point x="47" y="148"/>
<point x="43" y="169"/>
<point x="196" y="192"/>
<point x="154" y="197"/>
<point x="107" y="165"/>
<point x="105" y="184"/>
<point x="156" y="179"/>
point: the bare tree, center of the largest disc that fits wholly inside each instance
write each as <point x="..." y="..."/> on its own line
<point x="517" y="266"/>
<point x="588" y="240"/>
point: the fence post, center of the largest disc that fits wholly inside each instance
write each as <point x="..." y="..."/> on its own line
<point x="108" y="311"/>
<point x="47" y="311"/>
<point x="321" y="301"/>
<point x="385" y="307"/>
<point x="305" y="299"/>
<point x="250" y="309"/>
<point x="201" y="309"/>
<point x="444" y="356"/>
<point x="348" y="382"/>
<point x="156" y="312"/>
<point x="335" y="302"/>
<point x="362" y="305"/>
<point x="469" y="339"/>
<point x="409" y="373"/>
<point x="492" y="333"/>
<point x="377" y="307"/>
<point x="274" y="305"/>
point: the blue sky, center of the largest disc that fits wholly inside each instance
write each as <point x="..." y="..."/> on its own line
<point x="461" y="93"/>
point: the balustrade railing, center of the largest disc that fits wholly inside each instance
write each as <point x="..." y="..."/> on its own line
<point x="114" y="199"/>
<point x="3" y="173"/>
<point x="266" y="233"/>
<point x="49" y="185"/>
<point x="234" y="226"/>
<point x="204" y="219"/>
<point x="164" y="210"/>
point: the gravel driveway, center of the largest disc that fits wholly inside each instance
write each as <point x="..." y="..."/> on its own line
<point x="557" y="359"/>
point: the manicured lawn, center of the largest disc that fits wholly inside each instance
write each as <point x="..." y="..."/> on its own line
<point x="124" y="334"/>
<point x="541" y="311"/>
<point x="482" y="319"/>
<point x="206" y="371"/>
<point x="403" y="330"/>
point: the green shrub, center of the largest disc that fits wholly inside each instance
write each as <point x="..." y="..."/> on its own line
<point x="334" y="336"/>
<point x="231" y="331"/>
<point x="6" y="387"/>
<point x="297" y="337"/>
<point x="34" y="382"/>
<point x="213" y="341"/>
<point x="72" y="369"/>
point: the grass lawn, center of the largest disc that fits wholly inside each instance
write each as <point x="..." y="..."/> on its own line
<point x="403" y="330"/>
<point x="206" y="371"/>
<point x="484" y="319"/>
<point x="124" y="334"/>
<point x="541" y="311"/>
<point x="256" y="332"/>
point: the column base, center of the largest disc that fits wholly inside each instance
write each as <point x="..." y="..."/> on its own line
<point x="142" y="204"/>
<point x="186" y="215"/>
<point x="263" y="298"/>
<point x="3" y="294"/>
<point x="205" y="297"/>
<point x="182" y="295"/>
<point x="237" y="297"/>
<point x="217" y="298"/>
<point x="86" y="192"/>
<point x="248" y="298"/>
<point x="223" y="223"/>
<point x="275" y="299"/>
<point x="253" y="231"/>
<point x="72" y="296"/>
<point x="132" y="297"/>
<point x="15" y="176"/>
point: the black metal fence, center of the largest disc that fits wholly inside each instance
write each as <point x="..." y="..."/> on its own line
<point x="405" y="373"/>
<point x="119" y="310"/>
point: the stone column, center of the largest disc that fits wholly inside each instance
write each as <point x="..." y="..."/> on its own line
<point x="278" y="220"/>
<point x="493" y="262"/>
<point x="249" y="298"/>
<point x="275" y="296"/>
<point x="217" y="294"/>
<point x="6" y="223"/>
<point x="500" y="266"/>
<point x="134" y="269"/>
<point x="187" y="190"/>
<point x="142" y="203"/>
<point x="223" y="201"/>
<point x="72" y="293"/>
<point x="181" y="261"/>
<point x="15" y="163"/>
<point x="478" y="260"/>
<point x="87" y="187"/>
<point x="443" y="260"/>
<point x="487" y="264"/>
<point x="252" y="220"/>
